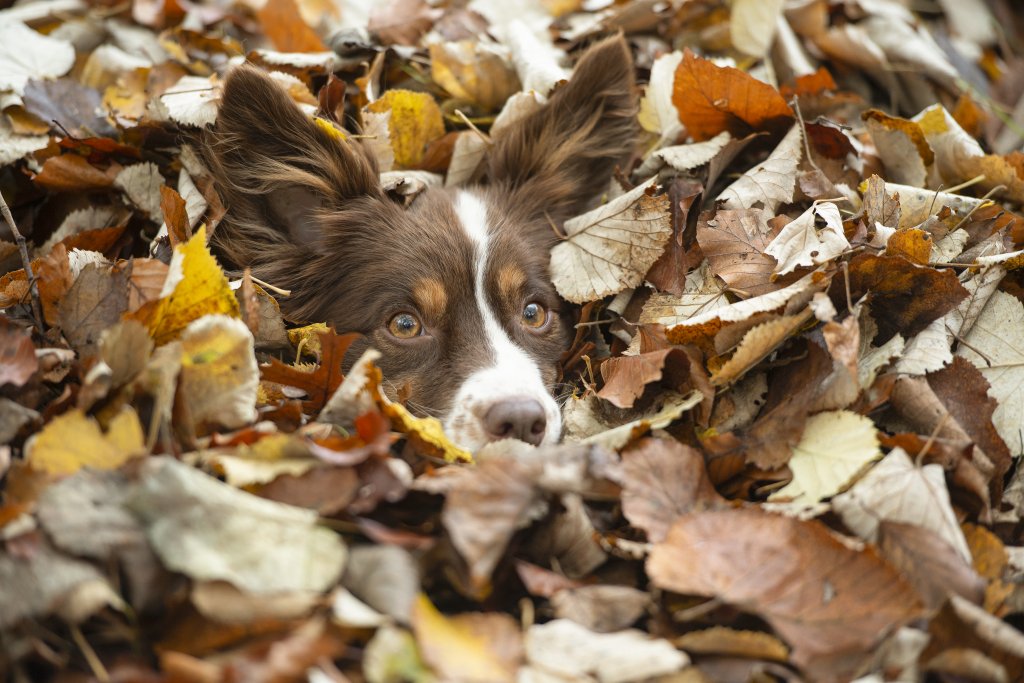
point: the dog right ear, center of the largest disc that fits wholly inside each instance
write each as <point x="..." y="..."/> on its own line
<point x="278" y="172"/>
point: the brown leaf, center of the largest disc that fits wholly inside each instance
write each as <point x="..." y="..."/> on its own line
<point x="321" y="383"/>
<point x="712" y="98"/>
<point x="830" y="603"/>
<point x="913" y="244"/>
<point x="734" y="242"/>
<point x="68" y="104"/>
<point x="605" y="609"/>
<point x="661" y="481"/>
<point x="283" y="24"/>
<point x="17" y="355"/>
<point x="626" y="377"/>
<point x="931" y="565"/>
<point x="94" y="303"/>
<point x="173" y="208"/>
<point x="961" y="624"/>
<point x="74" y="173"/>
<point x="963" y="390"/>
<point x="668" y="274"/>
<point x="904" y="297"/>
<point x="402" y="22"/>
<point x="101" y="239"/>
<point x="543" y="583"/>
<point x="879" y="206"/>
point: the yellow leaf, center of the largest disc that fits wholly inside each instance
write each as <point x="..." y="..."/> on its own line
<point x="307" y="338"/>
<point x="416" y="121"/>
<point x="73" y="440"/>
<point x="329" y="128"/>
<point x="199" y="288"/>
<point x="455" y="646"/>
<point x="219" y="375"/>
<point x="425" y="433"/>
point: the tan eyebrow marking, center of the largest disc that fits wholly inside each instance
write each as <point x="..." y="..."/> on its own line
<point x="510" y="279"/>
<point x="430" y="297"/>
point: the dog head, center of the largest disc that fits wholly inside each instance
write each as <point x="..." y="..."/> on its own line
<point x="454" y="289"/>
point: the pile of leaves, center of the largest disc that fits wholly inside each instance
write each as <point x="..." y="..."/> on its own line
<point x="792" y="444"/>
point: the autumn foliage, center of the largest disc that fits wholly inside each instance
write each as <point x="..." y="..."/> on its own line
<point x="793" y="407"/>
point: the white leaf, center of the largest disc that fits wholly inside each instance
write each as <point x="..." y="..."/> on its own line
<point x="702" y="294"/>
<point x="195" y="202"/>
<point x="141" y="183"/>
<point x="210" y="531"/>
<point x="14" y="147"/>
<point x="467" y="154"/>
<point x="658" y="114"/>
<point x="771" y="182"/>
<point x="612" y="247"/>
<point x="26" y="54"/>
<point x="997" y="335"/>
<point x="741" y="310"/>
<point x="629" y="655"/>
<point x="752" y="25"/>
<point x="219" y="374"/>
<point x="928" y="351"/>
<point x="535" y="59"/>
<point x="582" y="423"/>
<point x="801" y="243"/>
<point x="835" y="446"/>
<point x="895" y="490"/>
<point x="192" y="101"/>
<point x="376" y="125"/>
<point x="688" y="157"/>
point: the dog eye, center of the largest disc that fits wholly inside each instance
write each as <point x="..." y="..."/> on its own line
<point x="405" y="326"/>
<point x="534" y="315"/>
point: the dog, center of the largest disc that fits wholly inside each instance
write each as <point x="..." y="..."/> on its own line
<point x="454" y="289"/>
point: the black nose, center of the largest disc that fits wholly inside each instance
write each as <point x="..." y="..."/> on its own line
<point x="516" y="418"/>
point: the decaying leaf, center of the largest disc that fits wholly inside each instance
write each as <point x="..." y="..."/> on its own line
<point x="809" y="594"/>
<point x="611" y="248"/>
<point x="73" y="441"/>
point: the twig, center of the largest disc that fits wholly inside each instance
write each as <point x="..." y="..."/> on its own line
<point x="37" y="308"/>
<point x="977" y="206"/>
<point x="472" y="126"/>
<point x="272" y="288"/>
<point x="91" y="658"/>
<point x="803" y="134"/>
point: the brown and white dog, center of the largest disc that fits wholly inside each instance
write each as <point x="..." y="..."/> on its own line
<point x="454" y="289"/>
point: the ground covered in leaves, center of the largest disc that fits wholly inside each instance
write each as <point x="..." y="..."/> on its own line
<point x="792" y="448"/>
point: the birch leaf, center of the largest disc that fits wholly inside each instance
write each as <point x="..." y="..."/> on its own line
<point x="994" y="346"/>
<point x="771" y="182"/>
<point x="26" y="54"/>
<point x="219" y="375"/>
<point x="835" y="446"/>
<point x="695" y="155"/>
<point x="658" y="114"/>
<point x="896" y="490"/>
<point x="752" y="25"/>
<point x="612" y="247"/>
<point x="802" y="243"/>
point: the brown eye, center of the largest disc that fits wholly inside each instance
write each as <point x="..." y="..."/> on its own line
<point x="534" y="315"/>
<point x="405" y="326"/>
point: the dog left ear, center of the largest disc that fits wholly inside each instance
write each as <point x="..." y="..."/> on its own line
<point x="563" y="155"/>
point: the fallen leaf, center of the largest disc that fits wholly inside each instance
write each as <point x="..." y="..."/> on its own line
<point x="661" y="481"/>
<point x="611" y="248"/>
<point x="771" y="182"/>
<point x="801" y="243"/>
<point x="283" y="24"/>
<point x="619" y="657"/>
<point x="195" y="286"/>
<point x="95" y="302"/>
<point x="468" y="647"/>
<point x="321" y="382"/>
<point x="835" y="447"/>
<point x="475" y="72"/>
<point x="72" y="441"/>
<point x="712" y="99"/>
<point x="71" y="172"/>
<point x="658" y="114"/>
<point x="734" y="243"/>
<point x="17" y="355"/>
<point x="752" y="25"/>
<point x="760" y="341"/>
<point x="902" y="146"/>
<point x="932" y="566"/>
<point x="219" y="377"/>
<point x="604" y="609"/>
<point x="210" y="531"/>
<point x="415" y="122"/>
<point x="402" y="22"/>
<point x="172" y="207"/>
<point x="830" y="603"/>
<point x="26" y="54"/>
<point x="992" y="346"/>
<point x="719" y="640"/>
<point x="895" y="490"/>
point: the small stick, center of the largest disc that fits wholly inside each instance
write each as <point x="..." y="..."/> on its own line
<point x="91" y="658"/>
<point x="37" y="308"/>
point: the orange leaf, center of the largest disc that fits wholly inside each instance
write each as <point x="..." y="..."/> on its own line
<point x="71" y="172"/>
<point x="712" y="99"/>
<point x="320" y="384"/>
<point x="286" y="29"/>
<point x="173" y="208"/>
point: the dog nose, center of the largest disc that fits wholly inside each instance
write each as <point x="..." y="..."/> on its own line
<point x="516" y="418"/>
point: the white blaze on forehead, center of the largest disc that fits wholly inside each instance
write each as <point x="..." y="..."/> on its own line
<point x="512" y="374"/>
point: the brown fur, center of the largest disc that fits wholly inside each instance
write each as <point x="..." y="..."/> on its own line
<point x="306" y="212"/>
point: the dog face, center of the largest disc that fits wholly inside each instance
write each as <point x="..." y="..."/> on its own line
<point x="454" y="289"/>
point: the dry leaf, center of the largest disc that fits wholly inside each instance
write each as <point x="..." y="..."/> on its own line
<point x="415" y="122"/>
<point x="770" y="183"/>
<point x="219" y="376"/>
<point x="611" y="248"/>
<point x="802" y="243"/>
<point x="712" y="99"/>
<point x="752" y="25"/>
<point x="73" y="441"/>
<point x="284" y="25"/>
<point x="26" y="54"/>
